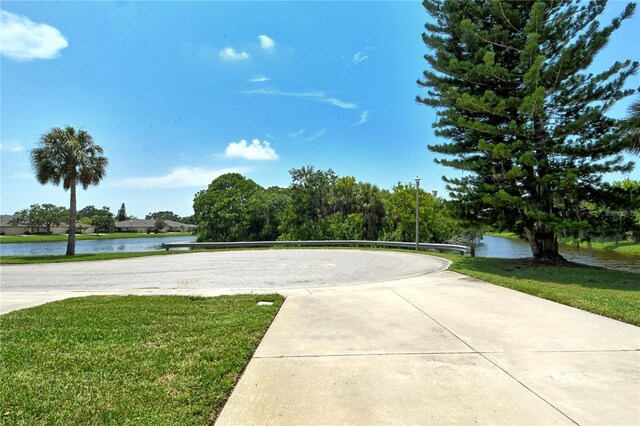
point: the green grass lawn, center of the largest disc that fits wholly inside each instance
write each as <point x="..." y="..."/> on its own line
<point x="6" y="239"/>
<point x="60" y="258"/>
<point x="174" y="360"/>
<point x="626" y="247"/>
<point x="614" y="294"/>
<point x="144" y="360"/>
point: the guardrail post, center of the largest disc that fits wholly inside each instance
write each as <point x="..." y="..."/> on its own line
<point x="473" y="251"/>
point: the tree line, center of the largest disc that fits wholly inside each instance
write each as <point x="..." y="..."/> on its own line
<point x="43" y="217"/>
<point x="319" y="205"/>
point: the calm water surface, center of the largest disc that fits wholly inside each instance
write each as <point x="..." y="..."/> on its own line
<point x="91" y="246"/>
<point x="490" y="247"/>
<point x="507" y="248"/>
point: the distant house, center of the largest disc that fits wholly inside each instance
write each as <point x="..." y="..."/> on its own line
<point x="6" y="228"/>
<point x="146" y="225"/>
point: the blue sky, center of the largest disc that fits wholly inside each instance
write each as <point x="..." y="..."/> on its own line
<point x="179" y="92"/>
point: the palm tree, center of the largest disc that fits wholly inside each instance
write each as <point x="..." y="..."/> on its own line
<point x="632" y="126"/>
<point x="71" y="157"/>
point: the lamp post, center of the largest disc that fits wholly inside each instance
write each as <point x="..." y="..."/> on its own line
<point x="417" y="212"/>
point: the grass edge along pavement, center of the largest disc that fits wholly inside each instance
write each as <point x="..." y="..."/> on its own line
<point x="150" y="360"/>
<point x="611" y="293"/>
<point x="18" y="239"/>
<point x="61" y="258"/>
<point x="606" y="292"/>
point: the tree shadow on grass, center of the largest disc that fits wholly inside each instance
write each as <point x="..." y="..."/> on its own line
<point x="562" y="273"/>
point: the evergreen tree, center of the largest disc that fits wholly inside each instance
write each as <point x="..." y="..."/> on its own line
<point x="159" y="224"/>
<point x="122" y="213"/>
<point x="87" y="212"/>
<point x="222" y="211"/>
<point x="525" y="121"/>
<point x="311" y="192"/>
<point x="40" y="217"/>
<point x="102" y="220"/>
<point x="165" y="214"/>
<point x="632" y="126"/>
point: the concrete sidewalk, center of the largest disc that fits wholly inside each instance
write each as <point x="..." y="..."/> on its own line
<point x="442" y="348"/>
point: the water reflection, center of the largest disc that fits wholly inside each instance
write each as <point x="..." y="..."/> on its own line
<point x="120" y="245"/>
<point x="507" y="248"/>
<point x="504" y="248"/>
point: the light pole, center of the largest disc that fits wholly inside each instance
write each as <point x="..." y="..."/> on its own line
<point x="417" y="212"/>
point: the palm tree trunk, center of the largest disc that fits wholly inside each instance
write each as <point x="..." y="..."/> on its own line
<point x="71" y="239"/>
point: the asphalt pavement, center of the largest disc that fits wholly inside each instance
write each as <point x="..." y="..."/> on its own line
<point x="380" y="337"/>
<point x="208" y="273"/>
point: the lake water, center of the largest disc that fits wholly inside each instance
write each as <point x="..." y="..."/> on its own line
<point x="91" y="246"/>
<point x="507" y="248"/>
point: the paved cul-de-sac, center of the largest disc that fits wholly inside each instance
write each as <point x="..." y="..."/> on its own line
<point x="378" y="337"/>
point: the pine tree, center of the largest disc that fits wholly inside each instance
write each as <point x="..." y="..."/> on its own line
<point x="122" y="213"/>
<point x="525" y="122"/>
<point x="632" y="126"/>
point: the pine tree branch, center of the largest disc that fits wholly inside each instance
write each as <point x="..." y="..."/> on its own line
<point x="507" y="19"/>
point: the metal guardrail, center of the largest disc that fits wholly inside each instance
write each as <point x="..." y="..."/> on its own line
<point x="329" y="243"/>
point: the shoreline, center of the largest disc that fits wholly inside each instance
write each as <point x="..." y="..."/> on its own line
<point x="20" y="239"/>
<point x="622" y="247"/>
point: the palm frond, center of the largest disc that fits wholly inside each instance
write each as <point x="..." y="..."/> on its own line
<point x="68" y="156"/>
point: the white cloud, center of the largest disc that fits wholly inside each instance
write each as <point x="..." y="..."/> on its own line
<point x="11" y="147"/>
<point x="24" y="40"/>
<point x="255" y="151"/>
<point x="311" y="137"/>
<point x="180" y="177"/>
<point x="266" y="42"/>
<point x="364" y="117"/>
<point x="296" y="134"/>
<point x="311" y="96"/>
<point x="230" y="54"/>
<point x="358" y="57"/>
<point x="316" y="135"/>
<point x="338" y="103"/>
<point x="259" y="79"/>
